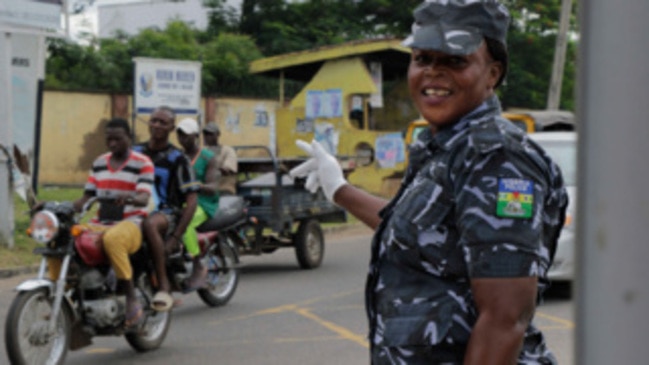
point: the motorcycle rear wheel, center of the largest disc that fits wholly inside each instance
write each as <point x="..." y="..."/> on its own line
<point x="222" y="275"/>
<point x="26" y="338"/>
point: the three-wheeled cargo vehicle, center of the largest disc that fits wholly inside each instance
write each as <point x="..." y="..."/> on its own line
<point x="281" y="211"/>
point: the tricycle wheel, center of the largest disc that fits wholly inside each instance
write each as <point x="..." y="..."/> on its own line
<point x="309" y="244"/>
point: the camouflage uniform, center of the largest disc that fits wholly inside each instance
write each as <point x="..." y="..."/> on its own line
<point x="479" y="200"/>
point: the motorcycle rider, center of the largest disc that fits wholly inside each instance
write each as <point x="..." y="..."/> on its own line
<point x="204" y="163"/>
<point x="175" y="198"/>
<point x="126" y="178"/>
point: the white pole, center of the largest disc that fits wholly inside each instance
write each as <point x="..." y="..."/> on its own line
<point x="6" y="143"/>
<point x="612" y="296"/>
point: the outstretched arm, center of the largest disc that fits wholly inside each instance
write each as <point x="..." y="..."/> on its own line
<point x="322" y="170"/>
<point x="360" y="204"/>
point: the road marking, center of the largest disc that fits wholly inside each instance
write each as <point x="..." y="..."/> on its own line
<point x="566" y="323"/>
<point x="341" y="331"/>
<point x="100" y="350"/>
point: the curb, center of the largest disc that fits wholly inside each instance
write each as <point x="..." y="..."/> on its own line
<point x="15" y="271"/>
<point x="22" y="270"/>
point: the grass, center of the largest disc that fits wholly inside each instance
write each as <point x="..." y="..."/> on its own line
<point x="21" y="254"/>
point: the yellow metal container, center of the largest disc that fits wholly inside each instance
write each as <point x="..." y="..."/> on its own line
<point x="343" y="76"/>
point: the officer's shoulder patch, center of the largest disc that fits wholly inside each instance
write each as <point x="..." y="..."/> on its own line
<point x="515" y="198"/>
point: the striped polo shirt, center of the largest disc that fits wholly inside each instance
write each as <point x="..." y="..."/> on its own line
<point x="135" y="175"/>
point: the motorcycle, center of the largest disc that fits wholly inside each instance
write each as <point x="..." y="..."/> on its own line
<point x="47" y="318"/>
<point x="218" y="240"/>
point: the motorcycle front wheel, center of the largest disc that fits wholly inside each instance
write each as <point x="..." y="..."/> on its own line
<point x="223" y="274"/>
<point x="27" y="337"/>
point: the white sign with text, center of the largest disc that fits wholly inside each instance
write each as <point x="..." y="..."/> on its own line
<point x="173" y="83"/>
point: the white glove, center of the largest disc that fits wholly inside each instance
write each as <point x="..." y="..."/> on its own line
<point x="321" y="170"/>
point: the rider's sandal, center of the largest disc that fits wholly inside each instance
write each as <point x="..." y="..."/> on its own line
<point x="162" y="301"/>
<point x="134" y="316"/>
<point x="195" y="281"/>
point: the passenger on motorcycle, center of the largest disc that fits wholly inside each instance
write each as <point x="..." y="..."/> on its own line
<point x="122" y="180"/>
<point x="204" y="163"/>
<point x="175" y="198"/>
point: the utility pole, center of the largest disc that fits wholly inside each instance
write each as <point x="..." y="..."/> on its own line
<point x="554" y="93"/>
<point x="612" y="293"/>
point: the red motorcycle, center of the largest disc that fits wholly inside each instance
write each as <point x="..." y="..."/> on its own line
<point x="47" y="318"/>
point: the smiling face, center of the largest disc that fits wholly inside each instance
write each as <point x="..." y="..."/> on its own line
<point x="444" y="88"/>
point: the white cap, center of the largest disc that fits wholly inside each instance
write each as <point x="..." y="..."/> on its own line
<point x="188" y="126"/>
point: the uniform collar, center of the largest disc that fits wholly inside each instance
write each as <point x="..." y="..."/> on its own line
<point x="445" y="137"/>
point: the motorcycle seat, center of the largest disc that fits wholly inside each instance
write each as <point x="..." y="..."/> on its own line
<point x="231" y="210"/>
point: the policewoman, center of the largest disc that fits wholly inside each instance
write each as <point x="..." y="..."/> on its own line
<point x="460" y="254"/>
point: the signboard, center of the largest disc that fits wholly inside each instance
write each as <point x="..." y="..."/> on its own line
<point x="32" y="13"/>
<point x="173" y="83"/>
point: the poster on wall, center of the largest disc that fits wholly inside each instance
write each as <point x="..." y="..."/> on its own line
<point x="327" y="136"/>
<point x="313" y="104"/>
<point x="173" y="83"/>
<point x="324" y="103"/>
<point x="304" y="125"/>
<point x="390" y="150"/>
<point x="335" y="103"/>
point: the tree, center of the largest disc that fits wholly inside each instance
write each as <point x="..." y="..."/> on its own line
<point x="531" y="42"/>
<point x="107" y="64"/>
<point x="271" y="27"/>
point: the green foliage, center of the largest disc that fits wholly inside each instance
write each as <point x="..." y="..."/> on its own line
<point x="107" y="64"/>
<point x="264" y="28"/>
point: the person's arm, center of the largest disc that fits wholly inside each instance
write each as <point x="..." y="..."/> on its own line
<point x="505" y="309"/>
<point x="360" y="204"/>
<point x="322" y="170"/>
<point x="210" y="186"/>
<point x="189" y="187"/>
<point x="79" y="203"/>
<point x="229" y="164"/>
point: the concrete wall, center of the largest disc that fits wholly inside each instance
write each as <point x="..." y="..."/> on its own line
<point x="71" y="135"/>
<point x="72" y="129"/>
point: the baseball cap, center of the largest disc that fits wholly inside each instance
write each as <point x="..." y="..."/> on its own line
<point x="188" y="126"/>
<point x="211" y="127"/>
<point x="457" y="27"/>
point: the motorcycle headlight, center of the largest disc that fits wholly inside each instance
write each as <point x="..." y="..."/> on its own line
<point x="44" y="226"/>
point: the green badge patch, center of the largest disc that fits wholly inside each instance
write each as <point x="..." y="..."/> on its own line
<point x="515" y="198"/>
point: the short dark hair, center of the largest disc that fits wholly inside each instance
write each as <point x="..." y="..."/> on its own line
<point x="119" y="123"/>
<point x="498" y="52"/>
<point x="169" y="110"/>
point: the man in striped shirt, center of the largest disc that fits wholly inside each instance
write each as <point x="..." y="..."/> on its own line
<point x="122" y="180"/>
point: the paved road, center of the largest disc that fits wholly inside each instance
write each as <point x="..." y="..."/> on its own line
<point x="282" y="315"/>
